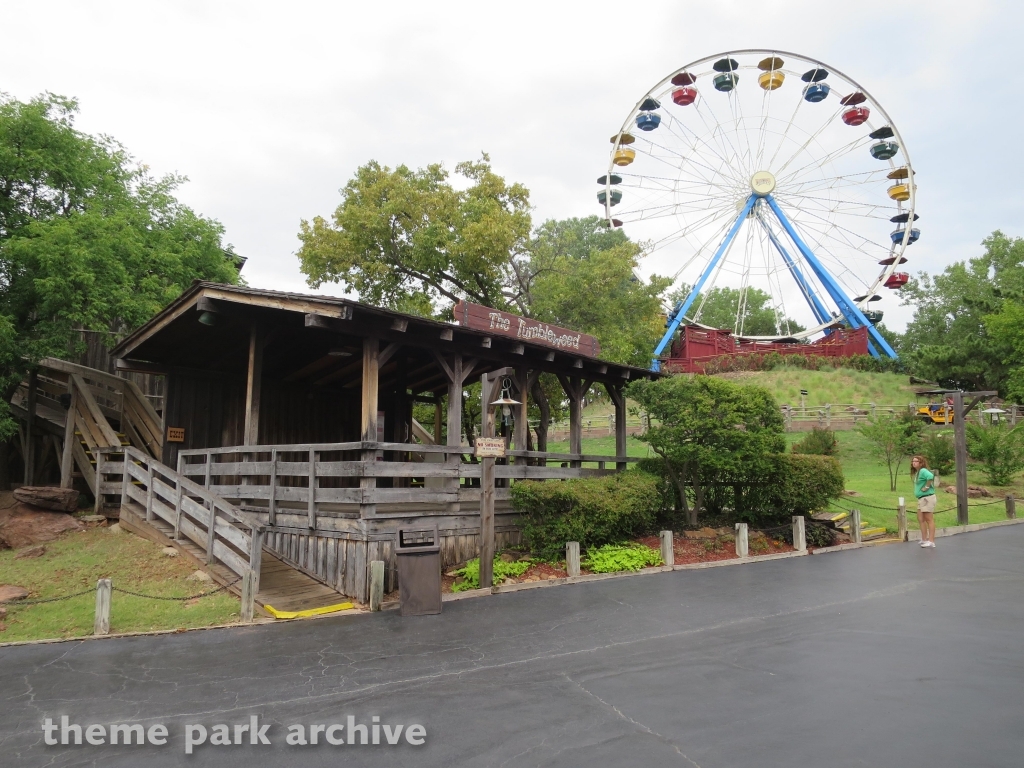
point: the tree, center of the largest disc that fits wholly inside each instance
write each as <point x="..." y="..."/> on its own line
<point x="1000" y="449"/>
<point x="963" y="334"/>
<point x="88" y="238"/>
<point x="708" y="430"/>
<point x="892" y="438"/>
<point x="409" y="239"/>
<point x="720" y="308"/>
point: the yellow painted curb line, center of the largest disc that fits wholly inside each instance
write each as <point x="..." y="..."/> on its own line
<point x="309" y="612"/>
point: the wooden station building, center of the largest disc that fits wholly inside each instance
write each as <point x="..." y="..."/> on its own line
<point x="297" y="409"/>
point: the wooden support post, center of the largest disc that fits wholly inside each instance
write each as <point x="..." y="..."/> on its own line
<point x="376" y="584"/>
<point x="30" y="428"/>
<point x="101" y="622"/>
<point x="855" y="526"/>
<point x="211" y="532"/>
<point x="67" y="461"/>
<point x="572" y="558"/>
<point x="149" y="485"/>
<point x="960" y="452"/>
<point x="486" y="522"/>
<point x="97" y="502"/>
<point x="522" y="425"/>
<point x="272" y="502"/>
<point x="799" y="533"/>
<point x="311" y="508"/>
<point x="901" y="519"/>
<point x="253" y="387"/>
<point x="370" y="405"/>
<point x="619" y="401"/>
<point x="178" y="493"/>
<point x="256" y="556"/>
<point x="576" y="420"/>
<point x="437" y="422"/>
<point x="248" y="607"/>
<point x="742" y="542"/>
<point x="125" y="479"/>
<point x="455" y="378"/>
<point x="1011" y="507"/>
<point x="668" y="552"/>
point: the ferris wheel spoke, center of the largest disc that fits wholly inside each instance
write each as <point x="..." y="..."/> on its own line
<point x="673" y="124"/>
<point x="719" y="133"/>
<point x="709" y="244"/>
<point x="835" y="205"/>
<point x="831" y="157"/>
<point x="810" y="139"/>
<point x="789" y="125"/>
<point x="846" y="234"/>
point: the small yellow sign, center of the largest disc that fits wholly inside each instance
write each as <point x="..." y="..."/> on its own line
<point x="175" y="434"/>
<point x="490" y="447"/>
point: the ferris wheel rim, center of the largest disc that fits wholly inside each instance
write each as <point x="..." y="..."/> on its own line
<point x="897" y="249"/>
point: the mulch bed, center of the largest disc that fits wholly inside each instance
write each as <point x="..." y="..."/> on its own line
<point x="689" y="551"/>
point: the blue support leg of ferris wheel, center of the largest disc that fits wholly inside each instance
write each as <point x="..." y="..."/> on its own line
<point x="850" y="310"/>
<point x="677" y="317"/>
<point x="805" y="288"/>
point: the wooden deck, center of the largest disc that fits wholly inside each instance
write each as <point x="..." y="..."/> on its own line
<point x="281" y="586"/>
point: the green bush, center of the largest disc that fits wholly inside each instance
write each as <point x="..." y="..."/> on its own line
<point x="796" y="484"/>
<point x="938" y="449"/>
<point x="593" y="511"/>
<point x="502" y="570"/>
<point x="1001" y="449"/>
<point x="820" y="442"/>
<point x="612" y="558"/>
<point x="771" y="361"/>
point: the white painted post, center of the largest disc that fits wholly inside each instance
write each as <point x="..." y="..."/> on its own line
<point x="101" y="624"/>
<point x="828" y="414"/>
<point x="855" y="525"/>
<point x="742" y="546"/>
<point x="901" y="519"/>
<point x="572" y="558"/>
<point x="799" y="533"/>
<point x="248" y="596"/>
<point x="376" y="584"/>
<point x="668" y="554"/>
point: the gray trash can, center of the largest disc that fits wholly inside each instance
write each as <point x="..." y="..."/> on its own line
<point x="419" y="571"/>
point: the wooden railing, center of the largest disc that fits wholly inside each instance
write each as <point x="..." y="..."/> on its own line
<point x="352" y="479"/>
<point x="225" y="533"/>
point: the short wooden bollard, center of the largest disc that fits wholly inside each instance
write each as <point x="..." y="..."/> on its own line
<point x="742" y="546"/>
<point x="1011" y="507"/>
<point x="101" y="624"/>
<point x="799" y="533"/>
<point x="855" y="525"/>
<point x="901" y="520"/>
<point x="248" y="596"/>
<point x="376" y="584"/>
<point x="668" y="552"/>
<point x="572" y="558"/>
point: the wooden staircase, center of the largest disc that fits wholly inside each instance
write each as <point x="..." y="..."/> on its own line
<point x="841" y="522"/>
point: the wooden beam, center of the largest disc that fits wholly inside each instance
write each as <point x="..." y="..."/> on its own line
<point x="618" y="399"/>
<point x="67" y="461"/>
<point x="328" y="322"/>
<point x="485" y="342"/>
<point x="387" y="353"/>
<point x="522" y="426"/>
<point x="139" y="366"/>
<point x="447" y="334"/>
<point x="518" y="349"/>
<point x="371" y="373"/>
<point x="549" y="356"/>
<point x="311" y="306"/>
<point x="30" y="427"/>
<point x="399" y="324"/>
<point x="253" y="386"/>
<point x="316" y="366"/>
<point x="960" y="454"/>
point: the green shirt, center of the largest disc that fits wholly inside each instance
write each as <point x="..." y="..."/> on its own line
<point x="924" y="476"/>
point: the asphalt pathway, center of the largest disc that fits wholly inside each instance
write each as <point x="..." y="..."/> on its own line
<point x="884" y="656"/>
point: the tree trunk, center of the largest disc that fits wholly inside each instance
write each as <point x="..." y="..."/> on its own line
<point x="537" y="392"/>
<point x="698" y="500"/>
<point x="5" y="465"/>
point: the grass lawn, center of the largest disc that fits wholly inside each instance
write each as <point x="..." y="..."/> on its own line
<point x="77" y="560"/>
<point x="832" y="386"/>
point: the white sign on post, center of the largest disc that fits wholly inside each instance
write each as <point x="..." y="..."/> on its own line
<point x="490" y="447"/>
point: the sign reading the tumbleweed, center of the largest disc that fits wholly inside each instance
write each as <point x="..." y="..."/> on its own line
<point x="490" y="447"/>
<point x="481" y="318"/>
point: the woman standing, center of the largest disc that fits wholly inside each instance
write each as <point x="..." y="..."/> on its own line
<point x="924" y="490"/>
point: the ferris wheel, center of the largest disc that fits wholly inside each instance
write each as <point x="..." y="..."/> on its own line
<point x="768" y="170"/>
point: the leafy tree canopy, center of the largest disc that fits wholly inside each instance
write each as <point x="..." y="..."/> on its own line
<point x="721" y="308"/>
<point x="710" y="428"/>
<point x="964" y="327"/>
<point x="88" y="238"/>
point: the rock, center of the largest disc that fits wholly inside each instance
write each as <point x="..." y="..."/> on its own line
<point x="199" y="576"/>
<point x="22" y="526"/>
<point x="37" y="551"/>
<point x="93" y="521"/>
<point x="56" y="499"/>
<point x="973" y="491"/>
<point x="549" y="577"/>
<point x="170" y="551"/>
<point x="460" y="579"/>
<point x="3" y="627"/>
<point x="3" y="611"/>
<point x="9" y="592"/>
<point x="452" y="574"/>
<point x="509" y="580"/>
<point x="852" y="493"/>
<point x="115" y="529"/>
<point x="507" y="558"/>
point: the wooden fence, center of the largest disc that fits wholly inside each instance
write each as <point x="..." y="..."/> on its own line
<point x="225" y="533"/>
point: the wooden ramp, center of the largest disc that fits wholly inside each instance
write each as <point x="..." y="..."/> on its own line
<point x="281" y="586"/>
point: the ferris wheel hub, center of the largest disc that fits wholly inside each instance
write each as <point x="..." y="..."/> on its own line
<point x="762" y="183"/>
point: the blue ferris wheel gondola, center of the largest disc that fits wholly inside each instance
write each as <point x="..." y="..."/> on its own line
<point x="648" y="121"/>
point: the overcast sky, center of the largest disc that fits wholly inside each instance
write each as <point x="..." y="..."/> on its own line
<point x="269" y="108"/>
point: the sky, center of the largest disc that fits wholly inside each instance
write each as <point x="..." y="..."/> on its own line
<point x="269" y="108"/>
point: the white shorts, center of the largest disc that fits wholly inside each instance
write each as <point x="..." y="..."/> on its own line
<point x="926" y="504"/>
